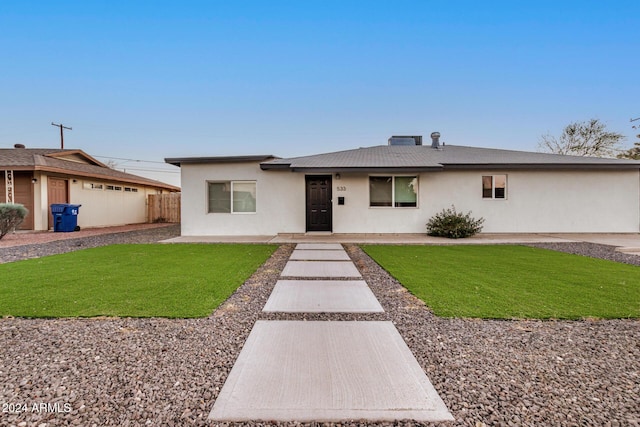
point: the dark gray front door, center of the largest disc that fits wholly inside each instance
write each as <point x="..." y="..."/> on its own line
<point x="318" y="203"/>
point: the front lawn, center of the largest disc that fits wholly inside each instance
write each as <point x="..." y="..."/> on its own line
<point x="155" y="280"/>
<point x="505" y="282"/>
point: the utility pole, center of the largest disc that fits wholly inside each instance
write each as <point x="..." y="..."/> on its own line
<point x="61" y="133"/>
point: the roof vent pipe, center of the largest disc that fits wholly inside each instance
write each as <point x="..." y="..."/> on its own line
<point x="435" y="140"/>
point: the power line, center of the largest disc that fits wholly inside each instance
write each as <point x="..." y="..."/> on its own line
<point x="132" y="160"/>
<point x="149" y="170"/>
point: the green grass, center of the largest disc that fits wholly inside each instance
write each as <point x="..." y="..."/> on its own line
<point x="157" y="280"/>
<point x="505" y="282"/>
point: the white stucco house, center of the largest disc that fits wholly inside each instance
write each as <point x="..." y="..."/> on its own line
<point x="396" y="188"/>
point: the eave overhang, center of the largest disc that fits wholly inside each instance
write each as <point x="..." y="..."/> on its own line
<point x="177" y="161"/>
<point x="445" y="167"/>
<point x="543" y="166"/>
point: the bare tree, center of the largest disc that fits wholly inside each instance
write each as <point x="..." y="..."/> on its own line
<point x="589" y="138"/>
<point x="111" y="164"/>
<point x="633" y="152"/>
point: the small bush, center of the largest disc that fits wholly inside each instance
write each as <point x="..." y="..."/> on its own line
<point x="11" y="216"/>
<point x="454" y="225"/>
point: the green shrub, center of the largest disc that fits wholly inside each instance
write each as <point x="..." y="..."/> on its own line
<point x="453" y="225"/>
<point x="11" y="216"/>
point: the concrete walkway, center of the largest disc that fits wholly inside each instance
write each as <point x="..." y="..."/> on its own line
<point x="623" y="240"/>
<point x="326" y="371"/>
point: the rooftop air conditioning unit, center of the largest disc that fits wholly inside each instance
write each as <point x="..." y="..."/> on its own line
<point x="405" y="140"/>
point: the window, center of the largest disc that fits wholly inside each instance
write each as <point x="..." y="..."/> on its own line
<point x="232" y="197"/>
<point x="92" y="186"/>
<point x="113" y="188"/>
<point x="393" y="191"/>
<point x="380" y="191"/>
<point x="494" y="187"/>
<point x="130" y="189"/>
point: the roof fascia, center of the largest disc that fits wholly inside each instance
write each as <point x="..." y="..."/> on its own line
<point x="16" y="168"/>
<point x="275" y="166"/>
<point x="178" y="161"/>
<point x="368" y="169"/>
<point x="544" y="166"/>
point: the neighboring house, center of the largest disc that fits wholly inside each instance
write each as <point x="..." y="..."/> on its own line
<point x="40" y="177"/>
<point x="396" y="188"/>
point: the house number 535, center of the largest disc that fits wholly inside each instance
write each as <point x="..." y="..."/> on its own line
<point x="341" y="188"/>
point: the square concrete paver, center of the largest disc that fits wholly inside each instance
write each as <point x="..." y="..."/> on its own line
<point x="320" y="269"/>
<point x="327" y="372"/>
<point x="322" y="296"/>
<point x="319" y="246"/>
<point x="315" y="255"/>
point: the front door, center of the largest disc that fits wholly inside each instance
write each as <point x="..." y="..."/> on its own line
<point x="318" y="203"/>
<point x="57" y="192"/>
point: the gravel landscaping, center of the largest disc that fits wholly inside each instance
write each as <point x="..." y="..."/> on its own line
<point x="35" y="245"/>
<point x="135" y="372"/>
<point x="592" y="250"/>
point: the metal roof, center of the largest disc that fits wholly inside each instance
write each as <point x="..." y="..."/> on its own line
<point x="422" y="158"/>
<point x="52" y="160"/>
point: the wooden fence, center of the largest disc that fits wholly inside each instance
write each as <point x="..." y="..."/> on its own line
<point x="163" y="207"/>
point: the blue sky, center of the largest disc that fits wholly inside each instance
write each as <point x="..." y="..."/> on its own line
<point x="147" y="80"/>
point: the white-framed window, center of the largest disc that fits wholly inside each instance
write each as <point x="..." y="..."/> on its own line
<point x="113" y="187"/>
<point x="130" y="190"/>
<point x="237" y="197"/>
<point x="92" y="186"/>
<point x="393" y="191"/>
<point x="494" y="186"/>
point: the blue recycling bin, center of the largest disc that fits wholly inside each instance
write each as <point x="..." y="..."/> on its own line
<point x="65" y="217"/>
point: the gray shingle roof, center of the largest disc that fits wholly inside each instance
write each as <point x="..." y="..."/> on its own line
<point x="417" y="158"/>
<point x="45" y="159"/>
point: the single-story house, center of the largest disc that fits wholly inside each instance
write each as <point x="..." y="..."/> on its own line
<point x="40" y="177"/>
<point x="396" y="188"/>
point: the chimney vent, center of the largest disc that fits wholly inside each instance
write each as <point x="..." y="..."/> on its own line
<point x="406" y="140"/>
<point x="435" y="140"/>
<point x="19" y="146"/>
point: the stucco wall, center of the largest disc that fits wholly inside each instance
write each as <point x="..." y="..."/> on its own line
<point x="537" y="202"/>
<point x="106" y="207"/>
<point x="100" y="208"/>
<point x="279" y="201"/>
